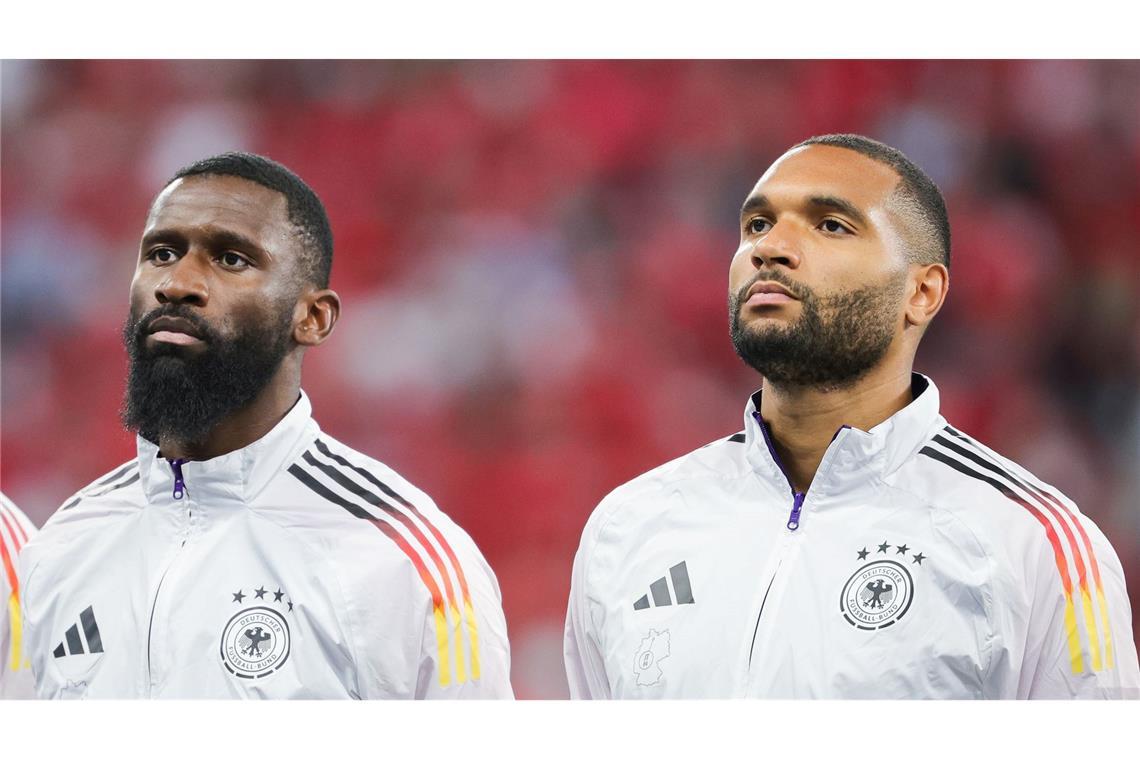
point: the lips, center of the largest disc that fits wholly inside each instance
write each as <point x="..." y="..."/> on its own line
<point x="174" y="330"/>
<point x="767" y="293"/>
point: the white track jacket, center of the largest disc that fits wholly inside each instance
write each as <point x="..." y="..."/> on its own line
<point x="294" y="567"/>
<point x="15" y="669"/>
<point x="919" y="564"/>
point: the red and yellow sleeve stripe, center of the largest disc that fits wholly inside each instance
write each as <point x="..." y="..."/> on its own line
<point x="457" y="669"/>
<point x="1051" y="512"/>
<point x="405" y="526"/>
<point x="15" y="537"/>
<point x="1090" y="618"/>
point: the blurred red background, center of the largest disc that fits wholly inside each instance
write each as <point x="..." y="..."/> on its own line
<point x="533" y="261"/>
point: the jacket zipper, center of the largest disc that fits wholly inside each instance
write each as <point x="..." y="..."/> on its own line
<point x="179" y="492"/>
<point x="179" y="483"/>
<point x="797" y="496"/>
<point x="793" y="524"/>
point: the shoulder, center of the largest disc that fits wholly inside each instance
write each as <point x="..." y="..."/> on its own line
<point x="406" y="569"/>
<point x="707" y="471"/>
<point x="374" y="520"/>
<point x="115" y="492"/>
<point x="1013" y="512"/>
<point x="15" y="519"/>
<point x="15" y="527"/>
<point x="961" y="473"/>
<point x="15" y="532"/>
<point x="712" y="464"/>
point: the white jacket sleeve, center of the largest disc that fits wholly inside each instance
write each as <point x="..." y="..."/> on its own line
<point x="465" y="653"/>
<point x="15" y="666"/>
<point x="1086" y="649"/>
<point x="424" y="613"/>
<point x="585" y="666"/>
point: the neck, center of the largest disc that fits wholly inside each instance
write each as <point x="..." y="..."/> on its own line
<point x="247" y="424"/>
<point x="802" y="421"/>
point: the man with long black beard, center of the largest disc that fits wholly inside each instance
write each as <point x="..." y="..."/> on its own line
<point x="848" y="542"/>
<point x="245" y="553"/>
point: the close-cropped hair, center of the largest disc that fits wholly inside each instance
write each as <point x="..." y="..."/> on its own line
<point x="916" y="198"/>
<point x="305" y="211"/>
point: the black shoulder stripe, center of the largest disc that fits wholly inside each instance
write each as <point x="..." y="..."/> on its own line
<point x="1039" y="493"/>
<point x="362" y="472"/>
<point x="314" y="486"/>
<point x="737" y="438"/>
<point x="965" y="469"/>
<point x="347" y="483"/>
<point x="103" y="492"/>
<point x="117" y="473"/>
<point x="954" y="432"/>
<point x="976" y="458"/>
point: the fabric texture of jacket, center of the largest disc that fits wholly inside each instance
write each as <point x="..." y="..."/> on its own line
<point x="919" y="564"/>
<point x="292" y="568"/>
<point x="15" y="668"/>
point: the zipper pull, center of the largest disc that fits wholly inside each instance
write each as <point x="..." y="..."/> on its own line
<point x="797" y="505"/>
<point x="179" y="483"/>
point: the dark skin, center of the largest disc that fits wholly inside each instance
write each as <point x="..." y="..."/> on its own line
<point x="224" y="246"/>
<point x="823" y="216"/>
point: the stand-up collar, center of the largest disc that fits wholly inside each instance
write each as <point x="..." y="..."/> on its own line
<point x="237" y="477"/>
<point x="855" y="456"/>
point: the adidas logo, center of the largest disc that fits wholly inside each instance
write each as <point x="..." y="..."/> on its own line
<point x="75" y="643"/>
<point x="659" y="589"/>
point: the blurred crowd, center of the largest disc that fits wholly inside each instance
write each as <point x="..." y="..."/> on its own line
<point x="533" y="262"/>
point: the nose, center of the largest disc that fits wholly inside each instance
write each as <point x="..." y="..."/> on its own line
<point x="185" y="282"/>
<point x="779" y="246"/>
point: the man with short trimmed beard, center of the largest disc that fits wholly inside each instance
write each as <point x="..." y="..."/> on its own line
<point x="244" y="553"/>
<point x="848" y="542"/>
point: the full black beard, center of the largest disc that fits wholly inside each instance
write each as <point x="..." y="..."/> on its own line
<point x="177" y="396"/>
<point x="836" y="340"/>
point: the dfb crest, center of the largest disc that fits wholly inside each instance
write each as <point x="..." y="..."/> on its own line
<point x="256" y="641"/>
<point x="880" y="592"/>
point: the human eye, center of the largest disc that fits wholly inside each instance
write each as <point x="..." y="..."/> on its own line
<point x="232" y="260"/>
<point x="162" y="255"/>
<point x="834" y="226"/>
<point x="758" y="225"/>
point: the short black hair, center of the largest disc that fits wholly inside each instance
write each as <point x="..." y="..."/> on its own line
<point x="305" y="210"/>
<point x="916" y="195"/>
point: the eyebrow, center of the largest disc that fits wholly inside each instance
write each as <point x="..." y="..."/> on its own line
<point x="216" y="238"/>
<point x="841" y="205"/>
<point x="754" y="203"/>
<point x="824" y="202"/>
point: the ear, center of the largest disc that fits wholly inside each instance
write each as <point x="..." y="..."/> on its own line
<point x="315" y="316"/>
<point x="927" y="288"/>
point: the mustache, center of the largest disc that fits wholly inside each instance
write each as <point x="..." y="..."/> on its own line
<point x="801" y="292"/>
<point x="141" y="327"/>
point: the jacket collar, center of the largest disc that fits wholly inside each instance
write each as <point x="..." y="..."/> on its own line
<point x="855" y="457"/>
<point x="237" y="477"/>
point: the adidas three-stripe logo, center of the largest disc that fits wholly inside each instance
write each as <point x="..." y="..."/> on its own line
<point x="75" y="643"/>
<point x="659" y="589"/>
